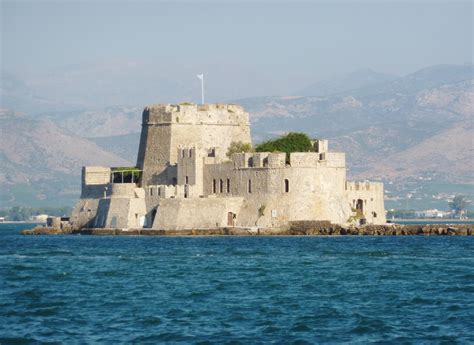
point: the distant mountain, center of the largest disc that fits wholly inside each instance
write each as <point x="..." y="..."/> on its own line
<point x="95" y="123"/>
<point x="413" y="128"/>
<point x="373" y="126"/>
<point x="413" y="132"/>
<point x="40" y="159"/>
<point x="353" y="81"/>
<point x="125" y="146"/>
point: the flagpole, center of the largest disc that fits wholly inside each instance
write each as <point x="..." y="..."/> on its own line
<point x="201" y="76"/>
<point x="202" y="89"/>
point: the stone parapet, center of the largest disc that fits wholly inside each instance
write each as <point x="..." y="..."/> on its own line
<point x="365" y="185"/>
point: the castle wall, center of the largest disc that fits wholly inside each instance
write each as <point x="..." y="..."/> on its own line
<point x="371" y="196"/>
<point x="309" y="189"/>
<point x="94" y="185"/>
<point x="84" y="213"/>
<point x="190" y="168"/>
<point x="197" y="213"/>
<point x="166" y="127"/>
<point x="189" y="182"/>
<point x="94" y="181"/>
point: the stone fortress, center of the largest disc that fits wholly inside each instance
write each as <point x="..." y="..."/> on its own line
<point x="185" y="180"/>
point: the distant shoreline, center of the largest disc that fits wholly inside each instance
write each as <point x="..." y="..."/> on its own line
<point x="430" y="221"/>
<point x="21" y="222"/>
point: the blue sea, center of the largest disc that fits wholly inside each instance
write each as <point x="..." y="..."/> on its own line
<point x="287" y="290"/>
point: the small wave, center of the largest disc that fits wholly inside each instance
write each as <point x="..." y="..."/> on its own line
<point x="300" y="327"/>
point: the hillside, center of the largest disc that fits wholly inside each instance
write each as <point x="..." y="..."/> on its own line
<point x="414" y="128"/>
<point x="376" y="126"/>
<point x="413" y="132"/>
<point x="95" y="123"/>
<point x="40" y="159"/>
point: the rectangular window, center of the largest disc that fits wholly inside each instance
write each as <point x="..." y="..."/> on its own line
<point x="221" y="186"/>
<point x="228" y="185"/>
<point x="186" y="180"/>
<point x="214" y="186"/>
<point x="250" y="186"/>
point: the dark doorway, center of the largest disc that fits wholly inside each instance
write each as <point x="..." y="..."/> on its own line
<point x="231" y="218"/>
<point x="152" y="218"/>
<point x="360" y="205"/>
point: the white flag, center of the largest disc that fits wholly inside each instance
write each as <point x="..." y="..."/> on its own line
<point x="200" y="76"/>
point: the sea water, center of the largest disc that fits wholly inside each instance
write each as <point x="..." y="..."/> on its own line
<point x="93" y="289"/>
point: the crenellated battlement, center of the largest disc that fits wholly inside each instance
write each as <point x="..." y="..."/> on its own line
<point x="194" y="114"/>
<point x="364" y="185"/>
<point x="184" y="179"/>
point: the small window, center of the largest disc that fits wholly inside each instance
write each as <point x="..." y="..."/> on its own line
<point x="228" y="185"/>
<point x="186" y="180"/>
<point x="250" y="162"/>
<point x="182" y="153"/>
<point x="287" y="186"/>
<point x="151" y="191"/>
<point x="159" y="191"/>
<point x="249" y="186"/>
<point x="221" y="186"/>
<point x="214" y="186"/>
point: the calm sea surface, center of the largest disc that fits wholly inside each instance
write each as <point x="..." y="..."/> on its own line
<point x="90" y="289"/>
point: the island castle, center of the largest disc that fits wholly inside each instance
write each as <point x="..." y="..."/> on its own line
<point x="185" y="180"/>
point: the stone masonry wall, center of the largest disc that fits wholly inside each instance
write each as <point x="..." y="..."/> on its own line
<point x="166" y="127"/>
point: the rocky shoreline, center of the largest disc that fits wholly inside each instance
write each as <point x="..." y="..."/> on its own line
<point x="302" y="228"/>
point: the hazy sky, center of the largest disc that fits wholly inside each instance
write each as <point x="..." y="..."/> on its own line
<point x="259" y="48"/>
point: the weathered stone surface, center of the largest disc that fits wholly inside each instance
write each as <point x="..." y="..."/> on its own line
<point x="43" y="230"/>
<point x="189" y="182"/>
<point x="312" y="228"/>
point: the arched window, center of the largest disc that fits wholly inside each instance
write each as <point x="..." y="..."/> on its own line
<point x="249" y="186"/>
<point x="190" y="153"/>
<point x="287" y="186"/>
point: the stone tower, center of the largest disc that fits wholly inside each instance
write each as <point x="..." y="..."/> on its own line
<point x="167" y="127"/>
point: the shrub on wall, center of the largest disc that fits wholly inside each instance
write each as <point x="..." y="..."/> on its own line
<point x="127" y="173"/>
<point x="239" y="147"/>
<point x="292" y="142"/>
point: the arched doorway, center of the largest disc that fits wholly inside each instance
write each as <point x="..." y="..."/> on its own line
<point x="231" y="217"/>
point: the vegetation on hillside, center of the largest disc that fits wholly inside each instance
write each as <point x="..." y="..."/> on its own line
<point x="459" y="205"/>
